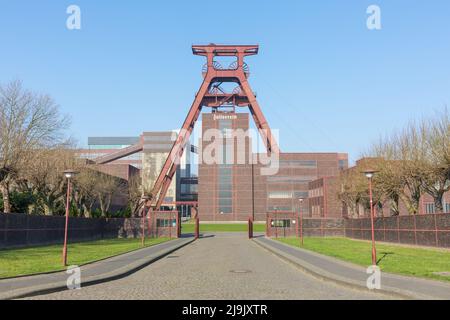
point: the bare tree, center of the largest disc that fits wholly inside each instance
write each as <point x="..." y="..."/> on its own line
<point x="43" y="175"/>
<point x="135" y="192"/>
<point x="352" y="189"/>
<point x="28" y="121"/>
<point x="85" y="188"/>
<point x="414" y="161"/>
<point x="437" y="164"/>
<point x="106" y="187"/>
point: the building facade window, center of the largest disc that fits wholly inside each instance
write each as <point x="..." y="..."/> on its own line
<point x="342" y="164"/>
<point x="225" y="172"/>
<point x="318" y="192"/>
<point x="290" y="179"/>
<point x="300" y="194"/>
<point x="280" y="195"/>
<point x="281" y="223"/>
<point x="316" y="210"/>
<point x="447" y="207"/>
<point x="280" y="208"/>
<point x="288" y="195"/>
<point x="166" y="223"/>
<point x="430" y="208"/>
<point x="298" y="163"/>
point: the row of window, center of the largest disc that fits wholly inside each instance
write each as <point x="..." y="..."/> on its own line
<point x="430" y="208"/>
<point x="281" y="223"/>
<point x="90" y="156"/>
<point x="298" y="163"/>
<point x="166" y="223"/>
<point x="165" y="146"/>
<point x="280" y="208"/>
<point x="316" y="193"/>
<point x="288" y="194"/>
<point x="166" y="138"/>
<point x="290" y="179"/>
<point x="225" y="172"/>
<point x="108" y="147"/>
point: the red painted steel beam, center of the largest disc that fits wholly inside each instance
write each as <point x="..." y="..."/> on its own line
<point x="204" y="98"/>
<point x="122" y="153"/>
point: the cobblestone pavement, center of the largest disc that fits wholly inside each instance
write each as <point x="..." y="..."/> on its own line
<point x="219" y="266"/>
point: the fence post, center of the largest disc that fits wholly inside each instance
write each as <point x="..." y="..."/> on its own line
<point x="197" y="228"/>
<point x="415" y="230"/>
<point x="149" y="224"/>
<point x="436" y="231"/>
<point x="178" y="225"/>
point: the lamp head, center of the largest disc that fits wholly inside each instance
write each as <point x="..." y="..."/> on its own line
<point x="369" y="173"/>
<point x="69" y="174"/>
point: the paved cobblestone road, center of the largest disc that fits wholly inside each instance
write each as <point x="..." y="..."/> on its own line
<point x="204" y="270"/>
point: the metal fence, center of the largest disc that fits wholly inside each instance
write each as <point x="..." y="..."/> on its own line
<point x="289" y="224"/>
<point x="21" y="230"/>
<point x="424" y="230"/>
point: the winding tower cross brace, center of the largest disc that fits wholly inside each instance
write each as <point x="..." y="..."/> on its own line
<point x="210" y="95"/>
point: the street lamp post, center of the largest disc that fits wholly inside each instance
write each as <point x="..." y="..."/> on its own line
<point x="144" y="199"/>
<point x="300" y="201"/>
<point x="369" y="175"/>
<point x="276" y="222"/>
<point x="69" y="174"/>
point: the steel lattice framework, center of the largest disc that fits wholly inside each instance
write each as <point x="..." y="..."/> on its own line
<point x="213" y="96"/>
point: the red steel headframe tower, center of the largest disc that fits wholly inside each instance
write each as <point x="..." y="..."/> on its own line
<point x="211" y="95"/>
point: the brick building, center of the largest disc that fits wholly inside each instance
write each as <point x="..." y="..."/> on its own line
<point x="235" y="189"/>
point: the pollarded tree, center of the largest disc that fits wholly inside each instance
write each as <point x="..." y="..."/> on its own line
<point x="85" y="194"/>
<point x="353" y="189"/>
<point x="106" y="187"/>
<point x="28" y="121"/>
<point x="135" y="192"/>
<point x="411" y="155"/>
<point x="43" y="174"/>
<point x="437" y="164"/>
<point x="388" y="180"/>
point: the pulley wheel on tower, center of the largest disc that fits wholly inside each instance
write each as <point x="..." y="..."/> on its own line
<point x="217" y="66"/>
<point x="245" y="67"/>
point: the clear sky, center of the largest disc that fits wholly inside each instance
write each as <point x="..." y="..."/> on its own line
<point x="322" y="78"/>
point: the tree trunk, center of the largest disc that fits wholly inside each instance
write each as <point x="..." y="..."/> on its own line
<point x="102" y="206"/>
<point x="410" y="204"/>
<point x="87" y="211"/>
<point x="4" y="189"/>
<point x="395" y="211"/>
<point x="438" y="197"/>
<point x="108" y="203"/>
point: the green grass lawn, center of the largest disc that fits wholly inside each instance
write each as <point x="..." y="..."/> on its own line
<point x="18" y="262"/>
<point x="419" y="262"/>
<point x="230" y="227"/>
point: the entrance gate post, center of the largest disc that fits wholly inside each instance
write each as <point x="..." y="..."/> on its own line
<point x="197" y="228"/>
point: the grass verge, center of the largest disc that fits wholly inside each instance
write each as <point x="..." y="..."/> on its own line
<point x="28" y="261"/>
<point x="418" y="262"/>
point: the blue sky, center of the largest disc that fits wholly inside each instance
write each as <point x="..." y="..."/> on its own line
<point x="322" y="78"/>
